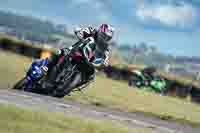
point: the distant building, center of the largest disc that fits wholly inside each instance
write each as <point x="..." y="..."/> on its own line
<point x="198" y="76"/>
<point x="167" y="68"/>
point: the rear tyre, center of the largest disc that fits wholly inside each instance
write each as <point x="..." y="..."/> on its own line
<point x="135" y="82"/>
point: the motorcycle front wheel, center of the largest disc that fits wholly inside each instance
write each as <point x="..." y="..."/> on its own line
<point x="66" y="87"/>
<point x="21" y="84"/>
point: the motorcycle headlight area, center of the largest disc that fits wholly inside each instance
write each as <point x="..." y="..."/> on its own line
<point x="36" y="72"/>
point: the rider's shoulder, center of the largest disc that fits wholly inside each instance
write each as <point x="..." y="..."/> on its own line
<point x="91" y="28"/>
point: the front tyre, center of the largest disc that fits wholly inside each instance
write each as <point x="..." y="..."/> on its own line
<point x="20" y="85"/>
<point x="76" y="79"/>
<point x="67" y="87"/>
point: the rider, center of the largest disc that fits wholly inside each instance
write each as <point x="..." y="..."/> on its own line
<point x="101" y="37"/>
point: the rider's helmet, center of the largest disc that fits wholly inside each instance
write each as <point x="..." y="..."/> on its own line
<point x="105" y="33"/>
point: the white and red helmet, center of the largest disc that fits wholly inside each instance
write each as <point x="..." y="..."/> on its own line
<point x="106" y="31"/>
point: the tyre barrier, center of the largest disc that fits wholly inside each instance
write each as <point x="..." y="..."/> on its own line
<point x="23" y="48"/>
<point x="174" y="88"/>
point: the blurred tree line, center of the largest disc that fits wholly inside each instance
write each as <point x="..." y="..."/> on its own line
<point x="30" y="27"/>
<point x="143" y="53"/>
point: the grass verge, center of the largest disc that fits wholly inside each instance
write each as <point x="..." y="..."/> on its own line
<point x="12" y="68"/>
<point x="113" y="94"/>
<point x="16" y="120"/>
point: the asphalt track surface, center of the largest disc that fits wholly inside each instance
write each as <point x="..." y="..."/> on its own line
<point x="69" y="108"/>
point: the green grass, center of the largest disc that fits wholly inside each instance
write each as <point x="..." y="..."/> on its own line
<point x="12" y="68"/>
<point x="16" y="120"/>
<point x="112" y="94"/>
<point x="117" y="95"/>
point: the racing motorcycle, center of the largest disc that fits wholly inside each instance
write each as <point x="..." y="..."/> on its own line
<point x="148" y="82"/>
<point x="71" y="76"/>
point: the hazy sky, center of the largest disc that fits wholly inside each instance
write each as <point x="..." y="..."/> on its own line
<point x="172" y="25"/>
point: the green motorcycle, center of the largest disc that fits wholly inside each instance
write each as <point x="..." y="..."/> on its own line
<point x="148" y="82"/>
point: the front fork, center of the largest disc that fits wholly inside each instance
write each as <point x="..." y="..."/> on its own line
<point x="27" y="84"/>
